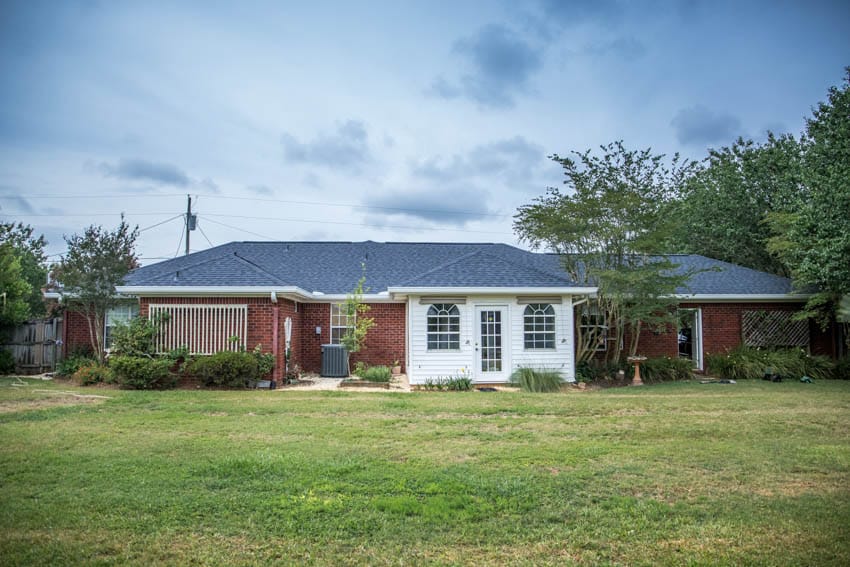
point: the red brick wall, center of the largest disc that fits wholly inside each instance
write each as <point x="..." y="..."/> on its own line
<point x="721" y="329"/>
<point x="385" y="342"/>
<point x="75" y="332"/>
<point x="261" y="318"/>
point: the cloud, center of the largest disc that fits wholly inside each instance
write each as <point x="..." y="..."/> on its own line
<point x="260" y="189"/>
<point x="513" y="161"/>
<point x="698" y="125"/>
<point x="15" y="204"/>
<point x="347" y="148"/>
<point x="448" y="206"/>
<point x="500" y="65"/>
<point x="141" y="170"/>
<point x="628" y="48"/>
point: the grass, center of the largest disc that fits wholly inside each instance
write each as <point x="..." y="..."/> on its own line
<point x="680" y="473"/>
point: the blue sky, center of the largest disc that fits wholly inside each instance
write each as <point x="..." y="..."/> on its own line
<point x="386" y="121"/>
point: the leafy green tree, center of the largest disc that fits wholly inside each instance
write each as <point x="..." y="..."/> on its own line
<point x="724" y="205"/>
<point x="355" y="311"/>
<point x="813" y="239"/>
<point x="30" y="252"/>
<point x="14" y="289"/>
<point x="96" y="263"/>
<point x="608" y="228"/>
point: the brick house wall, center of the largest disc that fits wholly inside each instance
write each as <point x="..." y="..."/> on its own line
<point x="75" y="332"/>
<point x="721" y="330"/>
<point x="262" y="314"/>
<point x="385" y="342"/>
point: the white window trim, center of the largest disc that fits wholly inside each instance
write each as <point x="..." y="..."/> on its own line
<point x="455" y="333"/>
<point x="332" y="326"/>
<point x="526" y="332"/>
<point x="131" y="310"/>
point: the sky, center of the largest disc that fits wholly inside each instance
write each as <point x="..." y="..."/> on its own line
<point x="385" y="121"/>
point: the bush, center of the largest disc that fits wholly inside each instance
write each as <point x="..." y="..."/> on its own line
<point x="537" y="380"/>
<point x="375" y="373"/>
<point x="73" y="362"/>
<point x="744" y="363"/>
<point x="842" y="368"/>
<point x="666" y="369"/>
<point x="7" y="362"/>
<point x="142" y="372"/>
<point x="265" y="361"/>
<point x="226" y="369"/>
<point x="91" y="372"/>
<point x="597" y="370"/>
<point x="137" y="337"/>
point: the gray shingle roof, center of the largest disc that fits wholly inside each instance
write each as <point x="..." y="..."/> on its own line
<point x="335" y="267"/>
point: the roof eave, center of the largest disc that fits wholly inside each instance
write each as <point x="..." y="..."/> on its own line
<point x="743" y="297"/>
<point x="524" y="290"/>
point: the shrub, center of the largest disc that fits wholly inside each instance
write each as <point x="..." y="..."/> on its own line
<point x="376" y="374"/>
<point x="136" y="338"/>
<point x="265" y="361"/>
<point x="459" y="383"/>
<point x="91" y="372"/>
<point x="537" y="379"/>
<point x="842" y="368"/>
<point x="72" y="363"/>
<point x="142" y="372"/>
<point x="597" y="370"/>
<point x="745" y="363"/>
<point x="666" y="369"/>
<point x="7" y="362"/>
<point x="226" y="368"/>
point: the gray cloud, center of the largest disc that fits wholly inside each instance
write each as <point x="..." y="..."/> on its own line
<point x="512" y="161"/>
<point x="15" y="204"/>
<point x="628" y="48"/>
<point x="448" y="206"/>
<point x="500" y="64"/>
<point x="347" y="148"/>
<point x="142" y="170"/>
<point x="260" y="189"/>
<point x="699" y="125"/>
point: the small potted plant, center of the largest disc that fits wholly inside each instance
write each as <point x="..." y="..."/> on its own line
<point x="396" y="368"/>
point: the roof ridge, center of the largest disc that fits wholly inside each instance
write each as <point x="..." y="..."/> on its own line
<point x="442" y="266"/>
<point x="533" y="268"/>
<point x="258" y="268"/>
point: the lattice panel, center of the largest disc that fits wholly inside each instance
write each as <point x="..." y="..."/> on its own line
<point x="773" y="329"/>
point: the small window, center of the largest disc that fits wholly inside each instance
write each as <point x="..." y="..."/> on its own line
<point x="119" y="315"/>
<point x="539" y="319"/>
<point x="340" y="322"/>
<point x="443" y="327"/>
<point x="593" y="326"/>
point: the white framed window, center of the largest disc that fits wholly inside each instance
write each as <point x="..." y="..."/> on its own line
<point x="443" y="331"/>
<point x="340" y="322"/>
<point x="592" y="324"/>
<point x="118" y="315"/>
<point x="539" y="326"/>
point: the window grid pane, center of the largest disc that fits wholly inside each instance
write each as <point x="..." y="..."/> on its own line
<point x="539" y="326"/>
<point x="443" y="327"/>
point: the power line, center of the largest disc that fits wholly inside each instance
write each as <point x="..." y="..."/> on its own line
<point x="181" y="241"/>
<point x="82" y="214"/>
<point x="160" y="223"/>
<point x="242" y="230"/>
<point x="205" y="236"/>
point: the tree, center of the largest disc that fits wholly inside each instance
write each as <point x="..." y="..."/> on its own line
<point x="355" y="311"/>
<point x="813" y="238"/>
<point x="33" y="262"/>
<point x="96" y="262"/>
<point x="608" y="229"/>
<point x="724" y="204"/>
<point x="14" y="289"/>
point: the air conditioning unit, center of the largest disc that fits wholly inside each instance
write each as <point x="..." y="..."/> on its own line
<point x="334" y="361"/>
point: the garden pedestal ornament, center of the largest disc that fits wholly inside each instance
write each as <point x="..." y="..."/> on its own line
<point x="636" y="360"/>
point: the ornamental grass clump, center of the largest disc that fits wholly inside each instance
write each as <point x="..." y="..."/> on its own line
<point x="376" y="373"/>
<point x="745" y="363"/>
<point x="537" y="380"/>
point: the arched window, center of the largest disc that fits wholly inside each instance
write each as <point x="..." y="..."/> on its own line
<point x="539" y="326"/>
<point x="443" y="327"/>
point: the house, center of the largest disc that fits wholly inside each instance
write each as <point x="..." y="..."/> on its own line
<point x="438" y="307"/>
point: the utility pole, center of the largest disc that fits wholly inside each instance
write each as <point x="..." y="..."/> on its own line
<point x="191" y="221"/>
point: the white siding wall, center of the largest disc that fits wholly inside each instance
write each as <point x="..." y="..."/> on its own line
<point x="424" y="364"/>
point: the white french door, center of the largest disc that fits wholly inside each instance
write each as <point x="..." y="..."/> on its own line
<point x="492" y="343"/>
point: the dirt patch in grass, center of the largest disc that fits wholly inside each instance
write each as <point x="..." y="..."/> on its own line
<point x="47" y="402"/>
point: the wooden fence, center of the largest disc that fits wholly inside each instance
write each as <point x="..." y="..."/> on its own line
<point x="37" y="346"/>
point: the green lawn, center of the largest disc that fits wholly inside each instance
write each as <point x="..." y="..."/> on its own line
<point x="753" y="473"/>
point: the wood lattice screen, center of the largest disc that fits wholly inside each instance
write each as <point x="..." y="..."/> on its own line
<point x="203" y="329"/>
<point x="773" y="329"/>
